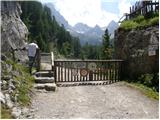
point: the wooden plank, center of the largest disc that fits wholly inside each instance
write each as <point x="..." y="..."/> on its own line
<point x="115" y="71"/>
<point x="105" y="69"/>
<point x="55" y="71"/>
<point x="119" y="71"/>
<point x="101" y="70"/>
<point x="58" y="71"/>
<point x="71" y="75"/>
<point x="52" y="59"/>
<point x="110" y="72"/>
<point x="65" y="71"/>
<point x="77" y="74"/>
<point x="68" y="72"/>
<point x="62" y="71"/>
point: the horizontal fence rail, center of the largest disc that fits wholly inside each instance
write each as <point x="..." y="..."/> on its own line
<point x="87" y="70"/>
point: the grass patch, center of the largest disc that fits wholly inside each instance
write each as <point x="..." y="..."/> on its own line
<point x="145" y="90"/>
<point x="24" y="83"/>
<point x="127" y="25"/>
<point x="5" y="113"/>
<point x="139" y="22"/>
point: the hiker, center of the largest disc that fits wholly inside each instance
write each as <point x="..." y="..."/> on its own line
<point x="32" y="54"/>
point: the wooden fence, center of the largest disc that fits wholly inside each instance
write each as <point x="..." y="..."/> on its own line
<point x="144" y="7"/>
<point x="87" y="70"/>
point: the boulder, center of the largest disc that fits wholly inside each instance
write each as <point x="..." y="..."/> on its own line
<point x="9" y="103"/>
<point x="2" y="98"/>
<point x="16" y="112"/>
<point x="50" y="87"/>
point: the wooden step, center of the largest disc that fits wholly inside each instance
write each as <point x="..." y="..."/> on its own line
<point x="44" y="79"/>
<point x="46" y="86"/>
<point x="44" y="74"/>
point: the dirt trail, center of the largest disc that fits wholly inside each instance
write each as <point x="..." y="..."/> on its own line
<point x="106" y="101"/>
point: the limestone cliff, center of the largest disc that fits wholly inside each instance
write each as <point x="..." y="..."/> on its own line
<point x="139" y="49"/>
<point x="14" y="78"/>
<point x="13" y="31"/>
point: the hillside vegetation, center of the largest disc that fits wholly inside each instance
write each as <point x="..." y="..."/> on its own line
<point x="45" y="30"/>
<point x="50" y="36"/>
<point x="140" y="22"/>
<point x="16" y="84"/>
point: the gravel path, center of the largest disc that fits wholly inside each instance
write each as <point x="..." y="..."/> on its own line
<point x="106" y="101"/>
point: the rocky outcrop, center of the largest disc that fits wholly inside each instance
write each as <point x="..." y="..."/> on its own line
<point x="9" y="92"/>
<point x="139" y="48"/>
<point x="13" y="43"/>
<point x="13" y="31"/>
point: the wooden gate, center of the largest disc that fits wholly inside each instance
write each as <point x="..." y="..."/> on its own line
<point x="87" y="70"/>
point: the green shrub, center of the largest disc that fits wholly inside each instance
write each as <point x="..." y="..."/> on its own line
<point x="140" y="22"/>
<point x="155" y="81"/>
<point x="128" y="25"/>
<point x="150" y="80"/>
<point x="139" y="19"/>
<point x="143" y="23"/>
<point x="154" y="21"/>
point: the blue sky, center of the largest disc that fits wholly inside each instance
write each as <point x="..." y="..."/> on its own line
<point x="91" y="12"/>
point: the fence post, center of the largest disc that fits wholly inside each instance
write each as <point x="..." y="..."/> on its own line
<point x="55" y="71"/>
<point x="38" y="60"/>
<point x="52" y="61"/>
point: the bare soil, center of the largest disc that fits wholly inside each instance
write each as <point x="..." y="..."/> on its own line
<point x="102" y="101"/>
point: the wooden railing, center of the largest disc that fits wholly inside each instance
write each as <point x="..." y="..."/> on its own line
<point x="144" y="7"/>
<point x="87" y="70"/>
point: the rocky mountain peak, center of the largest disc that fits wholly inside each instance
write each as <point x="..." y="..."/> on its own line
<point x="81" y="27"/>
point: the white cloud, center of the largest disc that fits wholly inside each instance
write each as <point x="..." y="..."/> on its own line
<point x="124" y="7"/>
<point x="89" y="11"/>
<point x="85" y="11"/>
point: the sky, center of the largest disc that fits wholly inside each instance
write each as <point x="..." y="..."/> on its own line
<point x="91" y="12"/>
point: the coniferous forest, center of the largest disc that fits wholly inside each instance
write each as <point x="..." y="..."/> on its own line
<point x="45" y="30"/>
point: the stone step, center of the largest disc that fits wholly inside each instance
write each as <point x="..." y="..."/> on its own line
<point x="44" y="79"/>
<point x="46" y="86"/>
<point x="44" y="74"/>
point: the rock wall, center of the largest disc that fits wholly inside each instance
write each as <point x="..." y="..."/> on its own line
<point x="139" y="48"/>
<point x="13" y="43"/>
<point x="13" y="31"/>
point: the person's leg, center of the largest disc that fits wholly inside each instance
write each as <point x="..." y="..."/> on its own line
<point x="31" y="60"/>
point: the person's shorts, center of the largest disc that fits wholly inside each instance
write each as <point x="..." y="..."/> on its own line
<point x="31" y="61"/>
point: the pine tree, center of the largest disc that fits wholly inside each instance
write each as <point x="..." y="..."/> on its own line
<point x="106" y="47"/>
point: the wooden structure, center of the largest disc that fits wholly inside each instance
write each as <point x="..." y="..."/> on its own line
<point x="87" y="70"/>
<point x="143" y="7"/>
<point x="82" y="70"/>
<point x="45" y="61"/>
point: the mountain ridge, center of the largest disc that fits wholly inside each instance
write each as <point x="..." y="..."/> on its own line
<point x="92" y="35"/>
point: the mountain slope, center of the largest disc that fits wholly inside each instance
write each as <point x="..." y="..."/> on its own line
<point x="92" y="35"/>
<point x="112" y="26"/>
<point x="59" y="18"/>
